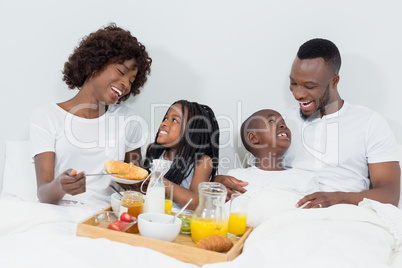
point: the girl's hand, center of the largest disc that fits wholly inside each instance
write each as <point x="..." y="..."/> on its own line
<point x="72" y="182"/>
<point x="134" y="187"/>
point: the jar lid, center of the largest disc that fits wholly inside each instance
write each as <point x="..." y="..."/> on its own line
<point x="132" y="195"/>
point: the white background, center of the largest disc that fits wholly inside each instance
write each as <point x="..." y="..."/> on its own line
<point x="234" y="56"/>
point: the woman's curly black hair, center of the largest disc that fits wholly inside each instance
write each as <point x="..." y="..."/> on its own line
<point x="110" y="44"/>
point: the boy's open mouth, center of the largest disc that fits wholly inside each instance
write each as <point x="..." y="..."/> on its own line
<point x="283" y="134"/>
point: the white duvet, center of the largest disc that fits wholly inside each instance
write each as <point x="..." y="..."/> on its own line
<point x="368" y="235"/>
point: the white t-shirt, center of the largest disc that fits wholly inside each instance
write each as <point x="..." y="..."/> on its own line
<point x="339" y="146"/>
<point x="273" y="192"/>
<point x="85" y="144"/>
<point x="297" y="180"/>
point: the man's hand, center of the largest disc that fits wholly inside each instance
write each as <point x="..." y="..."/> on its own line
<point x="385" y="180"/>
<point x="324" y="199"/>
<point x="232" y="184"/>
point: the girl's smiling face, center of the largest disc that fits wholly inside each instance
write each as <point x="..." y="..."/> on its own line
<point x="114" y="81"/>
<point x="170" y="128"/>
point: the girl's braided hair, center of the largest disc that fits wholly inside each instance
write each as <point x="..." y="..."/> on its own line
<point x="199" y="137"/>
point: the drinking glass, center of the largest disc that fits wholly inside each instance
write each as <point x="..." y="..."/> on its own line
<point x="168" y="197"/>
<point x="238" y="215"/>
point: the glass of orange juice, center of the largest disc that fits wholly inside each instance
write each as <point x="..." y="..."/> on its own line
<point x="168" y="197"/>
<point x="238" y="215"/>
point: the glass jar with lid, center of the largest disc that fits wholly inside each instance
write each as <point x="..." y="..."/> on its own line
<point x="131" y="202"/>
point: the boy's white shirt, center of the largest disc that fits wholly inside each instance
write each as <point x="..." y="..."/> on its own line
<point x="273" y="192"/>
<point x="297" y="180"/>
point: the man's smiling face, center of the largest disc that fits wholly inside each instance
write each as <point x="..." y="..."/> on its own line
<point x="311" y="85"/>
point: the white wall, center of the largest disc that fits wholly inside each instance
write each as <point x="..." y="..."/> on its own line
<point x="234" y="56"/>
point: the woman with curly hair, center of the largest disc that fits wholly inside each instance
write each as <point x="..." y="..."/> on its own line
<point x="82" y="133"/>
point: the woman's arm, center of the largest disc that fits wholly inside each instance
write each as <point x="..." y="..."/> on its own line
<point x="202" y="173"/>
<point x="50" y="189"/>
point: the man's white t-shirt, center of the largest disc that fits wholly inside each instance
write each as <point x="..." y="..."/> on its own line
<point x="85" y="144"/>
<point x="338" y="147"/>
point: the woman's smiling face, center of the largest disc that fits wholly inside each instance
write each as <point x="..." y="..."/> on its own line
<point x="114" y="81"/>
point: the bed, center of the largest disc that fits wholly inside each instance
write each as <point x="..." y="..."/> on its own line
<point x="33" y="234"/>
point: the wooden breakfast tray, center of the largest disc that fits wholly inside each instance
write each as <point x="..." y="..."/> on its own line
<point x="182" y="248"/>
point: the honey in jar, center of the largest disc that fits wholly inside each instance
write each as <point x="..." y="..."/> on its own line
<point x="131" y="202"/>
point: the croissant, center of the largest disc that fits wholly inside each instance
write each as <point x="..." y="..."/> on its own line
<point x="218" y="243"/>
<point x="126" y="171"/>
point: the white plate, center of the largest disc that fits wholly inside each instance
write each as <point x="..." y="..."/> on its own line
<point x="124" y="181"/>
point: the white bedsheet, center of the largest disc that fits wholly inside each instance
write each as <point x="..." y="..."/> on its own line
<point x="368" y="235"/>
<point x="42" y="235"/>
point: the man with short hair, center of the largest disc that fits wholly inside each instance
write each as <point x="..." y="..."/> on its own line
<point x="350" y="148"/>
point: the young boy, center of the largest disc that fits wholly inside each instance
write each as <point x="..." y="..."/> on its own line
<point x="265" y="135"/>
<point x="272" y="188"/>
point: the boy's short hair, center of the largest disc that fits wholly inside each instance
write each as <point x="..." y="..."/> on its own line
<point x="110" y="44"/>
<point x="252" y="122"/>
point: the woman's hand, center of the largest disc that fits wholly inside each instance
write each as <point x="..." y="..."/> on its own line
<point x="52" y="189"/>
<point x="71" y="182"/>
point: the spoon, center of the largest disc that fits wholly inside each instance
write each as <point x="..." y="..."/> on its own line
<point x="180" y="211"/>
<point x="114" y="189"/>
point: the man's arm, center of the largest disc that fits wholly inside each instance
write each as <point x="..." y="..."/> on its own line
<point x="385" y="179"/>
<point x="232" y="184"/>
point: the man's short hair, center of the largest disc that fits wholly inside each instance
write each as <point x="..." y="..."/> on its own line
<point x="321" y="48"/>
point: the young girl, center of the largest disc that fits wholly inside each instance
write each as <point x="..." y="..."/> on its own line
<point x="82" y="133"/>
<point x="189" y="137"/>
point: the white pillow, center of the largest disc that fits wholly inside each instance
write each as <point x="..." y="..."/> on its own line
<point x="19" y="179"/>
